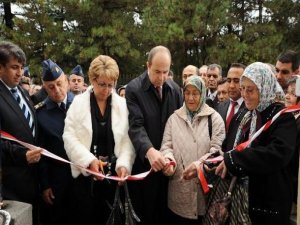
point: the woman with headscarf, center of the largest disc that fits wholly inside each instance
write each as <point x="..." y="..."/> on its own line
<point x="186" y="141"/>
<point x="266" y="161"/>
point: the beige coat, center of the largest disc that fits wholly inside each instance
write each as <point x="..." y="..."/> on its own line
<point x="186" y="142"/>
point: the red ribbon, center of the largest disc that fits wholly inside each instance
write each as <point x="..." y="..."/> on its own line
<point x="243" y="145"/>
<point x="139" y="176"/>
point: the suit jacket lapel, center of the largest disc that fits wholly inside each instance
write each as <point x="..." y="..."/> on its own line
<point x="225" y="109"/>
<point x="13" y="104"/>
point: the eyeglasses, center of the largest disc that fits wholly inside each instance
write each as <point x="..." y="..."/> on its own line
<point x="248" y="91"/>
<point x="194" y="95"/>
<point x="291" y="94"/>
<point x="103" y="85"/>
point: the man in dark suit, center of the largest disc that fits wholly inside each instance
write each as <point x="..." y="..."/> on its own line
<point x="55" y="176"/>
<point x="18" y="119"/>
<point x="232" y="110"/>
<point x="151" y="99"/>
<point x="214" y="74"/>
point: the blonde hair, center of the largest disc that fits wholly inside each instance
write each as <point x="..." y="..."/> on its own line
<point x="103" y="66"/>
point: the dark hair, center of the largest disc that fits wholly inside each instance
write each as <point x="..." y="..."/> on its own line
<point x="289" y="57"/>
<point x="9" y="50"/>
<point x="222" y="81"/>
<point x="121" y="88"/>
<point x="237" y="65"/>
<point x="213" y="66"/>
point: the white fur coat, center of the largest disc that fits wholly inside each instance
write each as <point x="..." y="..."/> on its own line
<point x="78" y="133"/>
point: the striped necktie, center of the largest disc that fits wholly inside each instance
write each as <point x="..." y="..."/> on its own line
<point x="25" y="109"/>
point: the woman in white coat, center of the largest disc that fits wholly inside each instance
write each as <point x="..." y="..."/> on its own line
<point x="96" y="131"/>
<point x="186" y="140"/>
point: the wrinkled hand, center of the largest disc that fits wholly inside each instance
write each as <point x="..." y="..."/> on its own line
<point x="95" y="166"/>
<point x="48" y="196"/>
<point x="168" y="170"/>
<point x="33" y="155"/>
<point x="122" y="173"/>
<point x="190" y="172"/>
<point x="156" y="159"/>
<point x="221" y="170"/>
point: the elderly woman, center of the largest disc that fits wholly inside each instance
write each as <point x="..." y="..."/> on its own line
<point x="96" y="128"/>
<point x="190" y="133"/>
<point x="266" y="161"/>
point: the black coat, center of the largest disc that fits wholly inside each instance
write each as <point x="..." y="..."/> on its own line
<point x="147" y="118"/>
<point x="54" y="174"/>
<point x="19" y="177"/>
<point x="147" y="114"/>
<point x="266" y="163"/>
<point x="51" y="123"/>
<point x="222" y="109"/>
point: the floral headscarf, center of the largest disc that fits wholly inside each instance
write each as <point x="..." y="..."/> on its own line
<point x="198" y="83"/>
<point x="261" y="75"/>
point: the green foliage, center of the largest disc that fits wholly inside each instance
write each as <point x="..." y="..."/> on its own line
<point x="196" y="32"/>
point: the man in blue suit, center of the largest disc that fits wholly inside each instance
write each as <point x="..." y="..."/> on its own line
<point x="55" y="176"/>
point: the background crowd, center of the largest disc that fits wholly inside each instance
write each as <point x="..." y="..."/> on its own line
<point x="147" y="124"/>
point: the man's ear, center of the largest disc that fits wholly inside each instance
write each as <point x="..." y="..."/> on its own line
<point x="148" y="65"/>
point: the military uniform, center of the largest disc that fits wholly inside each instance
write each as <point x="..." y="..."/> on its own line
<point x="53" y="173"/>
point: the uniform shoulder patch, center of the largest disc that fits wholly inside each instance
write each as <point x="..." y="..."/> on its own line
<point x="39" y="105"/>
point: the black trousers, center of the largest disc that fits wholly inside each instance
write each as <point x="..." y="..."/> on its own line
<point x="149" y="199"/>
<point x="91" y="201"/>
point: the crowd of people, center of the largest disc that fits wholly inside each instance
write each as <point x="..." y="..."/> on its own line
<point x="149" y="123"/>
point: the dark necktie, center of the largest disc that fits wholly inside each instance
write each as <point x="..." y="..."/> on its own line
<point x="25" y="109"/>
<point x="231" y="114"/>
<point x="63" y="106"/>
<point x="159" y="91"/>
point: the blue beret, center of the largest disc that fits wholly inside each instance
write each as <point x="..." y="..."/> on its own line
<point x="26" y="72"/>
<point x="51" y="71"/>
<point x="77" y="71"/>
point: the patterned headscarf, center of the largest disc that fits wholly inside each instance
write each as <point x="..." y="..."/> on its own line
<point x="198" y="83"/>
<point x="261" y="75"/>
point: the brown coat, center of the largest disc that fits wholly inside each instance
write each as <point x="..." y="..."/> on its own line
<point x="186" y="142"/>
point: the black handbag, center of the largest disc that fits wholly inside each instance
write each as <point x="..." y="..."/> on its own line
<point x="117" y="209"/>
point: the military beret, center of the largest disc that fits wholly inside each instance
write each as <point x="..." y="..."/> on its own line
<point x="26" y="72"/>
<point x="77" y="70"/>
<point x="51" y="71"/>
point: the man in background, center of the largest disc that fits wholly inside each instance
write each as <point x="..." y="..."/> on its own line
<point x="286" y="66"/>
<point x="76" y="80"/>
<point x="222" y="90"/>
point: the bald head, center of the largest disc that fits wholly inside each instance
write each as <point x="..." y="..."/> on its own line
<point x="159" y="62"/>
<point x="158" y="49"/>
<point x="189" y="71"/>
